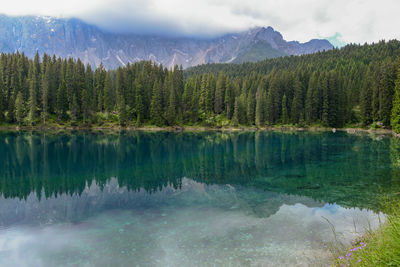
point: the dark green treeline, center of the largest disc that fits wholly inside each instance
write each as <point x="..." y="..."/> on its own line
<point x="353" y="85"/>
<point x="50" y="89"/>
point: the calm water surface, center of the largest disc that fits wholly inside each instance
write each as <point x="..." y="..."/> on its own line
<point x="188" y="199"/>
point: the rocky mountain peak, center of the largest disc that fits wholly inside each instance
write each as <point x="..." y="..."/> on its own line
<point x="75" y="38"/>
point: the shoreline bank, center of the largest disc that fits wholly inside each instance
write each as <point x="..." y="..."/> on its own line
<point x="377" y="247"/>
<point x="178" y="128"/>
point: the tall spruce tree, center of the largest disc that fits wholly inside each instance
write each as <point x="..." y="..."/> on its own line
<point x="251" y="108"/>
<point x="203" y="93"/>
<point x="62" y="101"/>
<point x="285" y="114"/>
<point x="395" y="116"/>
<point x="366" y="100"/>
<point x="187" y="101"/>
<point x="139" y="102"/>
<point x="86" y="106"/>
<point x="210" y="93"/>
<point x="171" y="110"/>
<point x="45" y="93"/>
<point x="297" y="103"/>
<point x="19" y="108"/>
<point x="236" y="112"/>
<point x="386" y="91"/>
<point x="33" y="94"/>
<point x="108" y="94"/>
<point x="155" y="106"/>
<point x="309" y="108"/>
<point x="270" y="108"/>
<point x="260" y="108"/>
<point x="74" y="108"/>
<point x="2" y="100"/>
<point x="229" y="99"/>
<point x="323" y="83"/>
<point x="219" y="93"/>
<point x="122" y="109"/>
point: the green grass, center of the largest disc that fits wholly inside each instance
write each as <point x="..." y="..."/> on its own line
<point x="377" y="248"/>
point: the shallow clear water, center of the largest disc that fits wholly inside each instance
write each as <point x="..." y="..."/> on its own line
<point x="188" y="199"/>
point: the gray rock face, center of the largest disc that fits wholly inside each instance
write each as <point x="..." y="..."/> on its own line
<point x="75" y="38"/>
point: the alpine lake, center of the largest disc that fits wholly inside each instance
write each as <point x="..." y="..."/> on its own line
<point x="191" y="198"/>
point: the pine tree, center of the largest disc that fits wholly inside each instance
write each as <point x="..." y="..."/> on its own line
<point x="297" y="104"/>
<point x="236" y="112"/>
<point x="251" y="106"/>
<point x="219" y="93"/>
<point x="387" y="84"/>
<point x="99" y="81"/>
<point x="375" y="98"/>
<point x="269" y="108"/>
<point x="203" y="93"/>
<point x="108" y="94"/>
<point x="260" y="108"/>
<point x="70" y="80"/>
<point x="171" y="110"/>
<point x="178" y="85"/>
<point x="325" y="102"/>
<point x="11" y="108"/>
<point x="285" y="116"/>
<point x="333" y="103"/>
<point x="210" y="93"/>
<point x="311" y="102"/>
<point x="121" y="90"/>
<point x="21" y="77"/>
<point x="62" y="101"/>
<point x="19" y="108"/>
<point x="139" y="102"/>
<point x="194" y="112"/>
<point x="242" y="110"/>
<point x="122" y="110"/>
<point x="187" y="101"/>
<point x="274" y="105"/>
<point x="33" y="104"/>
<point x="155" y="106"/>
<point x="2" y="100"/>
<point x="229" y="99"/>
<point x="36" y="64"/>
<point x="89" y="101"/>
<point x="80" y="86"/>
<point x="45" y="94"/>
<point x="366" y="100"/>
<point x="74" y="108"/>
<point x="86" y="106"/>
<point x="395" y="116"/>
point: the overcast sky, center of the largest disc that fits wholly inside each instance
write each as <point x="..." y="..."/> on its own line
<point x="341" y="21"/>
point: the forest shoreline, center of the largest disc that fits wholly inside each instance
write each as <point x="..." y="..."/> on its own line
<point x="198" y="128"/>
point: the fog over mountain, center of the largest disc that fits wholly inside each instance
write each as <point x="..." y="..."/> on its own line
<point x="75" y="38"/>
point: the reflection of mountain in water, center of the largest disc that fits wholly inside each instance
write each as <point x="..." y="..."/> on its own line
<point x="93" y="200"/>
<point x="349" y="170"/>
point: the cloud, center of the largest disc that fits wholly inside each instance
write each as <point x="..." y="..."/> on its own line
<point x="356" y="21"/>
<point x="336" y="40"/>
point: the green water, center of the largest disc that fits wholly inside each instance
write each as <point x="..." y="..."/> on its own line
<point x="188" y="199"/>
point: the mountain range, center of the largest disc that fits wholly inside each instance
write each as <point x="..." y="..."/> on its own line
<point x="77" y="39"/>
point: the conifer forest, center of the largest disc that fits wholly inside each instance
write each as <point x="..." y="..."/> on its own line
<point x="355" y="85"/>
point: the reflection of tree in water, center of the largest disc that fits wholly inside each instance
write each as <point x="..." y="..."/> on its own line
<point x="348" y="170"/>
<point x="394" y="180"/>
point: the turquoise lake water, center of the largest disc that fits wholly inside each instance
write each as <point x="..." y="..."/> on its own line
<point x="189" y="199"/>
